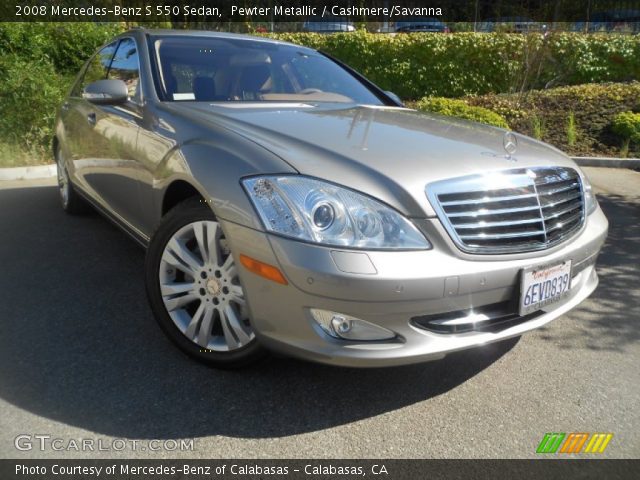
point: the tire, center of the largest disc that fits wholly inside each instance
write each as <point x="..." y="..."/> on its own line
<point x="71" y="201"/>
<point x="194" y="290"/>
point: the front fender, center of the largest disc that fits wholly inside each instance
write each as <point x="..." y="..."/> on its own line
<point x="215" y="170"/>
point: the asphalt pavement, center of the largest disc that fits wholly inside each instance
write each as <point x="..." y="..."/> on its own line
<point x="82" y="358"/>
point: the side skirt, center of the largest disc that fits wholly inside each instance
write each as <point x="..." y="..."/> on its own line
<point x="139" y="237"/>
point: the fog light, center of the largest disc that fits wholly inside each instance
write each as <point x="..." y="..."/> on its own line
<point x="346" y="327"/>
<point x="340" y="324"/>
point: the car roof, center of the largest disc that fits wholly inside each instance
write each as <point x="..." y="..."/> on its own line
<point x="328" y="18"/>
<point x="420" y="20"/>
<point x="510" y="19"/>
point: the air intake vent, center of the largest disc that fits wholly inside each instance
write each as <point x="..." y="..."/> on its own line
<point x="511" y="211"/>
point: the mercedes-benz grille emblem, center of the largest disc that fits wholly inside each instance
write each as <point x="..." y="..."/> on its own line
<point x="510" y="143"/>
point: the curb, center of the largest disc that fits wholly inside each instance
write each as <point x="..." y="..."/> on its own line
<point x="28" y="173"/>
<point x="607" y="162"/>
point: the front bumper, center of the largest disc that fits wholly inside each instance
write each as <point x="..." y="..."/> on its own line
<point x="392" y="289"/>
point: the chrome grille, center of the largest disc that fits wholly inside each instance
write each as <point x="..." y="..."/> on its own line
<point x="510" y="211"/>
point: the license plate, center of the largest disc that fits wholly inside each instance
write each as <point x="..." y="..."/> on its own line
<point x="541" y="286"/>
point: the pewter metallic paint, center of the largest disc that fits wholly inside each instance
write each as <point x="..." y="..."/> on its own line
<point x="134" y="152"/>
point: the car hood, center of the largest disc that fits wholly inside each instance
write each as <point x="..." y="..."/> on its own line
<point x="387" y="152"/>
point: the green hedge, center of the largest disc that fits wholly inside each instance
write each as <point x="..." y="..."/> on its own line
<point x="461" y="64"/>
<point x="65" y="45"/>
<point x="460" y="109"/>
<point x="38" y="61"/>
<point x="594" y="108"/>
<point x="627" y="125"/>
<point x="413" y="65"/>
<point x="30" y="96"/>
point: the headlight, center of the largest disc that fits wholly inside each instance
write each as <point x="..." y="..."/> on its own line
<point x="590" y="202"/>
<point x="320" y="212"/>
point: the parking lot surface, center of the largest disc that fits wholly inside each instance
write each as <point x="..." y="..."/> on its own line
<point x="82" y="358"/>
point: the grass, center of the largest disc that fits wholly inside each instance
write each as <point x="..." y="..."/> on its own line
<point x="537" y="127"/>
<point x="624" y="149"/>
<point x="12" y="155"/>
<point x="572" y="134"/>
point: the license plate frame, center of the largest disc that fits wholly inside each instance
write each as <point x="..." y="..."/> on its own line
<point x="539" y="275"/>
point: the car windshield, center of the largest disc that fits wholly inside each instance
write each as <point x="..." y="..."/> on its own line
<point x="222" y="69"/>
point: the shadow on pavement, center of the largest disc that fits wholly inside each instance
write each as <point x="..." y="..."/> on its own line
<point x="609" y="318"/>
<point x="79" y="346"/>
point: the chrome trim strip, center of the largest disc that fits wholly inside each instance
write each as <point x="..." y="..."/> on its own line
<point x="490" y="236"/>
<point x="471" y="319"/>
<point x="563" y="223"/>
<point x="560" y="189"/>
<point x="506" y="223"/>
<point x="561" y="212"/>
<point x="473" y="213"/>
<point x="487" y="200"/>
<point x="564" y="200"/>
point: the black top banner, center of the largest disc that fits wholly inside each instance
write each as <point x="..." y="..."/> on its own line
<point x="493" y="11"/>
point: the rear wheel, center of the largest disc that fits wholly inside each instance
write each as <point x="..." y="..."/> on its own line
<point x="71" y="202"/>
<point x="194" y="289"/>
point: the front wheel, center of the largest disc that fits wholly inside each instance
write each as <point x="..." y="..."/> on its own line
<point x="194" y="289"/>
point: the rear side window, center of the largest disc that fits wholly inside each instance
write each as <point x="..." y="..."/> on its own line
<point x="96" y="69"/>
<point x="125" y="66"/>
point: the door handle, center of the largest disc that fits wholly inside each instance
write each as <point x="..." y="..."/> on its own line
<point x="91" y="118"/>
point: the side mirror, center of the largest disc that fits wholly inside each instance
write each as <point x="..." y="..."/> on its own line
<point x="394" y="97"/>
<point x="106" y="92"/>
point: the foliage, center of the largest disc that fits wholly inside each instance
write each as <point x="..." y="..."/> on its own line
<point x="15" y="155"/>
<point x="463" y="64"/>
<point x="30" y="96"/>
<point x="460" y="109"/>
<point x="537" y="127"/>
<point x="38" y="61"/>
<point x="594" y="107"/>
<point x="572" y="134"/>
<point x="66" y="45"/>
<point x="627" y="125"/>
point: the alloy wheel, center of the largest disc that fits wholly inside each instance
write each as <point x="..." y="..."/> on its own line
<point x="201" y="290"/>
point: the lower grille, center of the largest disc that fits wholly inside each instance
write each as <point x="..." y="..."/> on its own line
<point x="490" y="318"/>
<point x="510" y="211"/>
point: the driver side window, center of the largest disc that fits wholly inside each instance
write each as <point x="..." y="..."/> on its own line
<point x="96" y="69"/>
<point x="124" y="66"/>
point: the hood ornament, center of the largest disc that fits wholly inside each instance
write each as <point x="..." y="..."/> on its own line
<point x="510" y="144"/>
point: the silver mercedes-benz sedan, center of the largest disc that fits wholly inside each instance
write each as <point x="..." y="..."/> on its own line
<point x="289" y="204"/>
